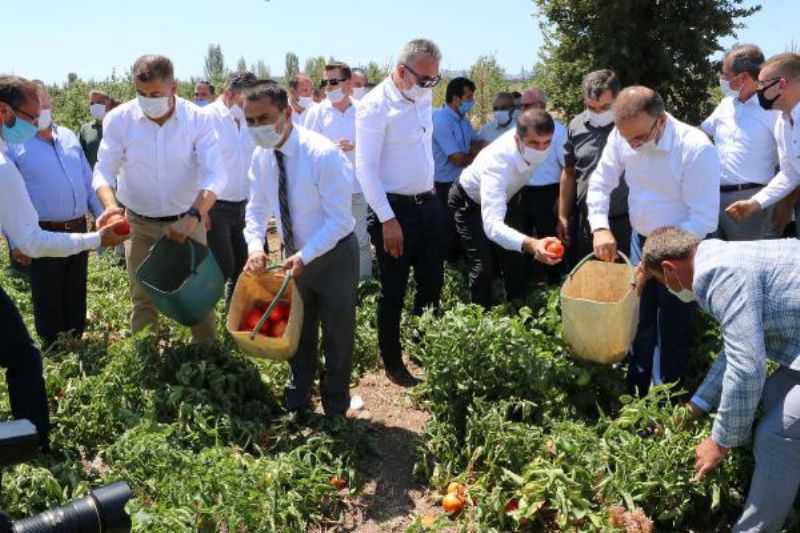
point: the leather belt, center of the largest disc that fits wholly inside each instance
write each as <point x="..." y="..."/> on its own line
<point x="417" y="199"/>
<point x="740" y="187"/>
<point x="172" y="218"/>
<point x="75" y="225"/>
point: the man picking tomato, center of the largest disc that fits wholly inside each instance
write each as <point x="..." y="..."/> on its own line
<point x="753" y="290"/>
<point x="307" y="181"/>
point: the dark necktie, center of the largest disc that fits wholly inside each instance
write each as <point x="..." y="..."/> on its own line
<point x="283" y="201"/>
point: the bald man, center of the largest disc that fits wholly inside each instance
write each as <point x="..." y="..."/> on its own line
<point x="301" y="98"/>
<point x="673" y="173"/>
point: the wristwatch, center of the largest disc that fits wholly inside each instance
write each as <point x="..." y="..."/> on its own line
<point x="193" y="212"/>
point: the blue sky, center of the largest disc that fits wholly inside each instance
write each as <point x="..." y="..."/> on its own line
<point x="99" y="35"/>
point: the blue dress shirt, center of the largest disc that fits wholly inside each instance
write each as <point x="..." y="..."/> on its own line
<point x="452" y="134"/>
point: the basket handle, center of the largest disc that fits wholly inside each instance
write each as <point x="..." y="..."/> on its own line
<point x="192" y="256"/>
<point x="286" y="279"/>
<point x="591" y="255"/>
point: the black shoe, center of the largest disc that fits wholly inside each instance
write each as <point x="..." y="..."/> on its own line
<point x="402" y="377"/>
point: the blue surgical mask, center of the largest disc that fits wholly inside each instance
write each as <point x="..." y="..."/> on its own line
<point x="201" y="102"/>
<point x="20" y="132"/>
<point x="466" y="106"/>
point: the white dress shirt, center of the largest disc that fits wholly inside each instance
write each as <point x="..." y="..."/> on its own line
<point x="160" y="169"/>
<point x="787" y="135"/>
<point x="236" y="148"/>
<point x="394" y="146"/>
<point x="337" y="126"/>
<point x="491" y="130"/>
<point x="497" y="174"/>
<point x="320" y="189"/>
<point x="743" y="133"/>
<point x="19" y="220"/>
<point x="676" y="184"/>
<point x="549" y="172"/>
<point x="299" y="119"/>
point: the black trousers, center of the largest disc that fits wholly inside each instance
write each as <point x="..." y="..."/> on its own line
<point x="531" y="211"/>
<point x="226" y="241"/>
<point x="423" y="249"/>
<point x="665" y="321"/>
<point x="479" y="250"/>
<point x="328" y="288"/>
<point x="58" y="292"/>
<point x="452" y="246"/>
<point x="23" y="364"/>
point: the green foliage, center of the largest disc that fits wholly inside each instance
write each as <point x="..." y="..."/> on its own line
<point x="315" y="66"/>
<point x="215" y="69"/>
<point x="489" y="78"/>
<point x="292" y="66"/>
<point x="663" y="45"/>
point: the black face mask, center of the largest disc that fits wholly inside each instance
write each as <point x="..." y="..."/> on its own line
<point x="765" y="102"/>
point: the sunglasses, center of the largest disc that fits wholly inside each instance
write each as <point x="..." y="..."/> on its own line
<point x="331" y="83"/>
<point x="426" y="82"/>
<point x="30" y="118"/>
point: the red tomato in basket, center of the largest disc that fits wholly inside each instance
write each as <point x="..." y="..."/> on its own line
<point x="251" y="321"/>
<point x="281" y="311"/>
<point x="277" y="329"/>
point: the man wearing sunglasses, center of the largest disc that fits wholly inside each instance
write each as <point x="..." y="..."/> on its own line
<point x="779" y="89"/>
<point x="673" y="173"/>
<point x="394" y="165"/>
<point x="19" y="117"/>
<point x="743" y="133"/>
<point x="335" y="118"/>
<point x="502" y="118"/>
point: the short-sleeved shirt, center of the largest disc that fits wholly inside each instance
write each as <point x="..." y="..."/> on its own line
<point x="90" y="136"/>
<point x="582" y="151"/>
<point x="452" y="134"/>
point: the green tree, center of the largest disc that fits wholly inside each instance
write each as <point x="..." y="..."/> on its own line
<point x="241" y="66"/>
<point x="292" y="66"/>
<point x="489" y="78"/>
<point x="261" y="70"/>
<point x="665" y="45"/>
<point x="315" y="66"/>
<point x="375" y="72"/>
<point x="215" y="69"/>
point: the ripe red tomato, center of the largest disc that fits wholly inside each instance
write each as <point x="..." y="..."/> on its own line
<point x="277" y="329"/>
<point x="280" y="312"/>
<point x="512" y="505"/>
<point x="123" y="228"/>
<point x="555" y="248"/>
<point x="251" y="320"/>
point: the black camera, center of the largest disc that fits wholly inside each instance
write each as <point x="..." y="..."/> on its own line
<point x="102" y="511"/>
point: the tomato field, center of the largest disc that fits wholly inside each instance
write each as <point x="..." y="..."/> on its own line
<point x="535" y="440"/>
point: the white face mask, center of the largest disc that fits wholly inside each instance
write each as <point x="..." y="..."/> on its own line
<point x="727" y="90"/>
<point x="359" y="92"/>
<point x="266" y="136"/>
<point x="684" y="295"/>
<point x="336" y="96"/>
<point x="533" y="156"/>
<point x="155" y="107"/>
<point x="97" y="111"/>
<point x="601" y="120"/>
<point x="503" y="118"/>
<point x="45" y="119"/>
<point x="305" y="102"/>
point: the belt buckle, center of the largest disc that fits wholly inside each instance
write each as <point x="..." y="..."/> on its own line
<point x="68" y="226"/>
<point x="418" y="200"/>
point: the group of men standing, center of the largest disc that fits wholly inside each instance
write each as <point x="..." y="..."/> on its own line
<point x="423" y="187"/>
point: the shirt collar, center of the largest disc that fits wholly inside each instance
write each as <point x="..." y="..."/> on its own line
<point x="393" y="92"/>
<point x="668" y="138"/>
<point x="290" y="146"/>
<point x="452" y="114"/>
<point x="752" y="101"/>
<point x="795" y="114"/>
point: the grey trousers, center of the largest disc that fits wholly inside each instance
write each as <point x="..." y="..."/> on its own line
<point x="777" y="453"/>
<point x="755" y="228"/>
<point x="328" y="288"/>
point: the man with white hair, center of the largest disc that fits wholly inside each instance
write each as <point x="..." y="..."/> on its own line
<point x="301" y="97"/>
<point x="394" y="165"/>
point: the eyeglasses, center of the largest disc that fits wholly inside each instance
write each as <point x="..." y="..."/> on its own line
<point x="766" y="84"/>
<point x="426" y="82"/>
<point x="641" y="139"/>
<point x="332" y="83"/>
<point x="30" y="118"/>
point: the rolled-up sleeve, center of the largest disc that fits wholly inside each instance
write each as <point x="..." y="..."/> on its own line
<point x="259" y="206"/>
<point x="700" y="192"/>
<point x="603" y="181"/>
<point x="211" y="167"/>
<point x="371" y="125"/>
<point x="494" y="205"/>
<point x="110" y="154"/>
<point x="336" y="194"/>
